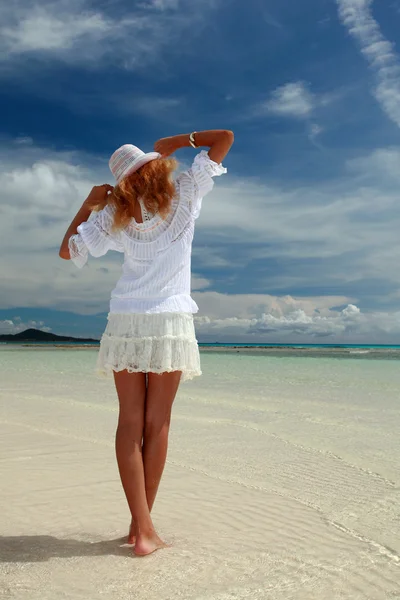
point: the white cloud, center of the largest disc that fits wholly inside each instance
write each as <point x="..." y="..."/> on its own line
<point x="77" y="33"/>
<point x="11" y="327"/>
<point x="299" y="322"/>
<point x="162" y="4"/>
<point x="41" y="29"/>
<point x="295" y="100"/>
<point x="345" y="326"/>
<point x="156" y="107"/>
<point x="265" y="318"/>
<point x="325" y="220"/>
<point x="291" y="100"/>
<point x="382" y="162"/>
<point x="314" y="132"/>
<point x="217" y="306"/>
<point x="24" y="141"/>
<point x="379" y="52"/>
<point x="200" y="283"/>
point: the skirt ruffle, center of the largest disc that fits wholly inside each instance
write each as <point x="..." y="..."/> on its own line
<point x="155" y="343"/>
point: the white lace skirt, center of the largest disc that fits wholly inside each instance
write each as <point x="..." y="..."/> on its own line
<point x="156" y="343"/>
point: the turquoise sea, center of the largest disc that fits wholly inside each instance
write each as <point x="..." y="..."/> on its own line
<point x="222" y="345"/>
<point x="240" y="345"/>
<point x="247" y="345"/>
<point x="334" y="351"/>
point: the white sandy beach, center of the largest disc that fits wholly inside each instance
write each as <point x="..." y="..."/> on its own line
<point x="282" y="482"/>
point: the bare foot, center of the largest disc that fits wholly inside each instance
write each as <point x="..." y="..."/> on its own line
<point x="132" y="534"/>
<point x="147" y="544"/>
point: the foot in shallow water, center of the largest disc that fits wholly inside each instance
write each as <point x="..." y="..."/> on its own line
<point x="147" y="544"/>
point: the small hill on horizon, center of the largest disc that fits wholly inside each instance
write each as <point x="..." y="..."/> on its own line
<point x="36" y="335"/>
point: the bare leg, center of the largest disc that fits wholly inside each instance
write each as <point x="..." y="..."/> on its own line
<point x="161" y="392"/>
<point x="131" y="390"/>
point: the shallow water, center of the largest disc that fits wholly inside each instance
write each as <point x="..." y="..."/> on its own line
<point x="282" y="481"/>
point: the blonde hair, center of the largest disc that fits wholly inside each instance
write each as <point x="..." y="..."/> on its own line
<point x="153" y="183"/>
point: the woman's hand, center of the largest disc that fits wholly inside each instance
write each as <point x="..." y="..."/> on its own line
<point x="167" y="146"/>
<point x="98" y="196"/>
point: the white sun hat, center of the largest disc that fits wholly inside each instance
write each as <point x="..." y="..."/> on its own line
<point x="127" y="159"/>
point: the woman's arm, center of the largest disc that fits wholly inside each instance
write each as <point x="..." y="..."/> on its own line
<point x="96" y="197"/>
<point x="218" y="140"/>
<point x="81" y="216"/>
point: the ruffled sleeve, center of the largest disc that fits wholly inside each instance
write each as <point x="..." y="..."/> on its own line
<point x="95" y="237"/>
<point x="198" y="180"/>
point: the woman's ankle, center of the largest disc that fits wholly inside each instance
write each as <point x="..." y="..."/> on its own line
<point x="145" y="529"/>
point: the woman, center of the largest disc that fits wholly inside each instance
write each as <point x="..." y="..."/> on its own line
<point x="149" y="344"/>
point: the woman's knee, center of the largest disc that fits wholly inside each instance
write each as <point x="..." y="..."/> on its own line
<point x="130" y="420"/>
<point x="157" y="423"/>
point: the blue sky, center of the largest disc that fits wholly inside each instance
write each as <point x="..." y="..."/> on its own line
<point x="299" y="242"/>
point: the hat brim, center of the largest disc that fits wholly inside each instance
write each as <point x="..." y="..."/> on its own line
<point x="146" y="158"/>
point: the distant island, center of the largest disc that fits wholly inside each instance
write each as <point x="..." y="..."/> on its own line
<point x="35" y="335"/>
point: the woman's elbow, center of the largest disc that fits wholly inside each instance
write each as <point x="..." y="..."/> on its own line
<point x="229" y="135"/>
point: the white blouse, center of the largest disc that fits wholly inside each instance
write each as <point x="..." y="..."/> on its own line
<point x="156" y="270"/>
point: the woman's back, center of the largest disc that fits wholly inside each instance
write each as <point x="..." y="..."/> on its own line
<point x="156" y="270"/>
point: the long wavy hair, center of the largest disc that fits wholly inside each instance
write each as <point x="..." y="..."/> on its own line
<point x="153" y="183"/>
